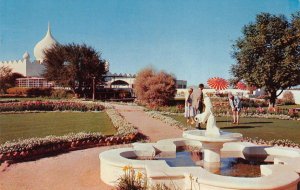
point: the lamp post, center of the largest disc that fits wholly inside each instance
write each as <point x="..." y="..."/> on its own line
<point x="94" y="89"/>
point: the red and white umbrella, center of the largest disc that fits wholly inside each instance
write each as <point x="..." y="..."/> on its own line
<point x="242" y="86"/>
<point x="251" y="88"/>
<point x="218" y="83"/>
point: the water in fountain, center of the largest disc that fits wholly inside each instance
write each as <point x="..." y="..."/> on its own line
<point x="232" y="166"/>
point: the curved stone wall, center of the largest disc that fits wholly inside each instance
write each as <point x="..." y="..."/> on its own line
<point x="284" y="174"/>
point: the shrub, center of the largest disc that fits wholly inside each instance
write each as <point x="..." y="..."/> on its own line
<point x="293" y="113"/>
<point x="61" y="93"/>
<point x="17" y="91"/>
<point x="31" y="92"/>
<point x="154" y="88"/>
<point x="247" y="102"/>
<point x="288" y="98"/>
<point x="124" y="94"/>
<point x="7" y="78"/>
<point x="36" y="92"/>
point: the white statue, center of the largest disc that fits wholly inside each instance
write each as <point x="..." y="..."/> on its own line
<point x="208" y="115"/>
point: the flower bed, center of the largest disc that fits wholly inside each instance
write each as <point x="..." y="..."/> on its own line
<point x="50" y="106"/>
<point x="123" y="127"/>
<point x="38" y="147"/>
<point x="275" y="142"/>
<point x="260" y="112"/>
<point x="8" y="101"/>
<point x="222" y="109"/>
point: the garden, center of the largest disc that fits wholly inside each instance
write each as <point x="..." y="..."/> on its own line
<point x="259" y="123"/>
<point x="42" y="122"/>
<point x="36" y="128"/>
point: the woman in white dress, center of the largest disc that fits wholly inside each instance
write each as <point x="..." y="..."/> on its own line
<point x="189" y="112"/>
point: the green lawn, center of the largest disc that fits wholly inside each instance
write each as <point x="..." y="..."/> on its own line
<point x="266" y="129"/>
<point x="27" y="125"/>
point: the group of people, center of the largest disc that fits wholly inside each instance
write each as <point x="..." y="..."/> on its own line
<point x="194" y="105"/>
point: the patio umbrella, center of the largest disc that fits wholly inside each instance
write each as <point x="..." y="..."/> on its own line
<point x="240" y="85"/>
<point x="251" y="88"/>
<point x="217" y="83"/>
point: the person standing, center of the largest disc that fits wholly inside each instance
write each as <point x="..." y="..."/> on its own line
<point x="189" y="111"/>
<point x="236" y="105"/>
<point x="200" y="99"/>
<point x="198" y="102"/>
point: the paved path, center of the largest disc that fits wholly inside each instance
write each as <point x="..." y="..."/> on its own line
<point x="78" y="170"/>
<point x="153" y="128"/>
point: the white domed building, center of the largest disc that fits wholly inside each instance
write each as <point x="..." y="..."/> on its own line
<point x="47" y="42"/>
<point x="32" y="70"/>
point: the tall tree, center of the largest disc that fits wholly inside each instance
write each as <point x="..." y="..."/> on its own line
<point x="74" y="66"/>
<point x="268" y="54"/>
<point x="7" y="78"/>
<point x="154" y="88"/>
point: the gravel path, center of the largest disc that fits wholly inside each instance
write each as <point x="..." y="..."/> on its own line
<point x="78" y="170"/>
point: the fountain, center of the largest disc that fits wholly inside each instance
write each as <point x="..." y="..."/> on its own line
<point x="161" y="162"/>
<point x="212" y="138"/>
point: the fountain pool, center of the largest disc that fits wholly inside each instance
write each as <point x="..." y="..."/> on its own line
<point x="281" y="172"/>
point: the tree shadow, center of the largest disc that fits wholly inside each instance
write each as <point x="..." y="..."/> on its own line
<point x="241" y="127"/>
<point x="251" y="122"/>
<point x="229" y="121"/>
<point x="257" y="122"/>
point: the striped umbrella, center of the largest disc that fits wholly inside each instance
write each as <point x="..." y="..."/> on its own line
<point x="217" y="83"/>
<point x="251" y="88"/>
<point x="240" y="85"/>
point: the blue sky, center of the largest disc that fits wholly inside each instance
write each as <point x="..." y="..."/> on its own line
<point x="189" y="38"/>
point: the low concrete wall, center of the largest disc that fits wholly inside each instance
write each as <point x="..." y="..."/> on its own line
<point x="279" y="176"/>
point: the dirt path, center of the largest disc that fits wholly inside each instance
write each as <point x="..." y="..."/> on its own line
<point x="78" y="170"/>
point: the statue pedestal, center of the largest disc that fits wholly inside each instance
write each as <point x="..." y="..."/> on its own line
<point x="211" y="146"/>
<point x="212" y="151"/>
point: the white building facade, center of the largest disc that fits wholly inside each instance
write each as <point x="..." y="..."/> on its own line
<point x="24" y="66"/>
<point x="33" y="68"/>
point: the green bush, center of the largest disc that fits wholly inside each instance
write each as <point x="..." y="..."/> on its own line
<point x="154" y="88"/>
<point x="17" y="91"/>
<point x="36" y="92"/>
<point x="61" y="93"/>
<point x="30" y="92"/>
<point x="288" y="98"/>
